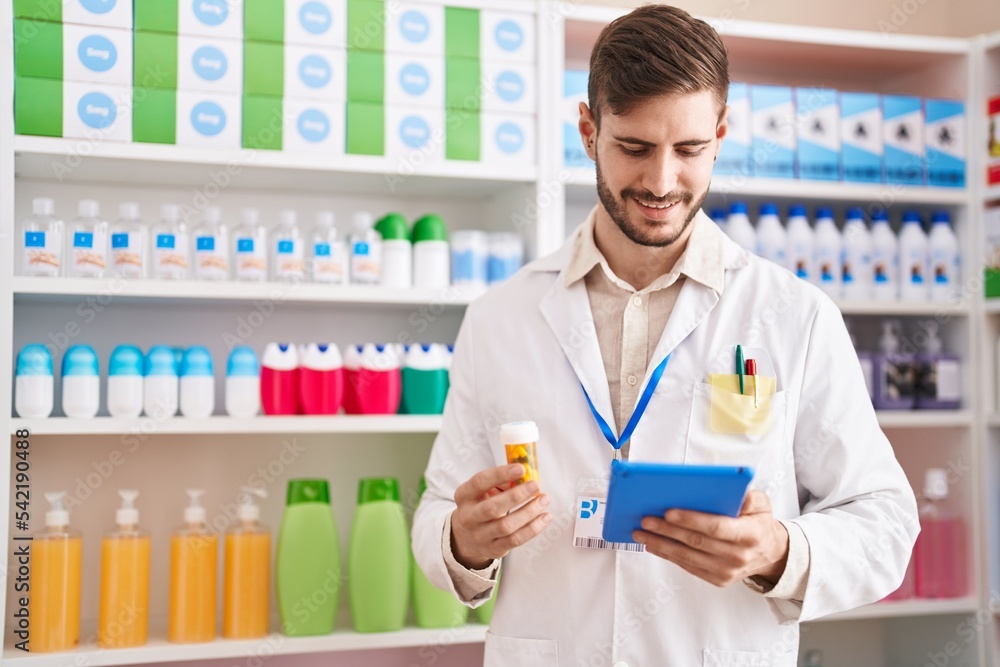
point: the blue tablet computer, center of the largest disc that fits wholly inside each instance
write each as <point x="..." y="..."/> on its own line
<point x="640" y="489"/>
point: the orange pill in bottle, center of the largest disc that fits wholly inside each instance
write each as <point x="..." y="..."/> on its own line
<point x="520" y="440"/>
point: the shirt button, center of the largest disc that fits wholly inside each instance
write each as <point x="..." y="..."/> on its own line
<point x="637" y="301"/>
<point x="631" y="380"/>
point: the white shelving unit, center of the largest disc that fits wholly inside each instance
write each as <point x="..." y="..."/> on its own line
<point x="542" y="204"/>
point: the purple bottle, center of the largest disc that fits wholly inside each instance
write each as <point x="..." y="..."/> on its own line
<point x="938" y="386"/>
<point x="866" y="359"/>
<point x="894" y="372"/>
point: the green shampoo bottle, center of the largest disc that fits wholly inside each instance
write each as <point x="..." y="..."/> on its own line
<point x="308" y="561"/>
<point x="379" y="558"/>
<point x="433" y="607"/>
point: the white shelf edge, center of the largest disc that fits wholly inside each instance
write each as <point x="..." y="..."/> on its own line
<point x="902" y="308"/>
<point x="265" y="159"/>
<point x="991" y="41"/>
<point x="159" y="650"/>
<point x="301" y="292"/>
<point x="924" y="418"/>
<point x="580" y="178"/>
<point x="906" y="608"/>
<point x="993" y="420"/>
<point x="991" y="194"/>
<point x="341" y="424"/>
<point x="992" y="305"/>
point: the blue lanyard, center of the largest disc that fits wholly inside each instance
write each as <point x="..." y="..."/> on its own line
<point x="640" y="409"/>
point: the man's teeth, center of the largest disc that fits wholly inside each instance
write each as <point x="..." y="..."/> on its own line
<point x="657" y="205"/>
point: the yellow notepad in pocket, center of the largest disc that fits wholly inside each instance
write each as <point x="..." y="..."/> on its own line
<point x="735" y="413"/>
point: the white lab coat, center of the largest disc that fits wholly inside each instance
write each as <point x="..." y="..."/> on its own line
<point x="524" y="349"/>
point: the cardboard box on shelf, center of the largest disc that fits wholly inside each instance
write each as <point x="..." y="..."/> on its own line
<point x="734" y="156"/>
<point x="103" y="13"/>
<point x="773" y="145"/>
<point x="73" y="52"/>
<point x="54" y="108"/>
<point x="321" y="23"/>
<point x="298" y="72"/>
<point x="861" y="148"/>
<point x="574" y="92"/>
<point x="415" y="28"/>
<point x="903" y="133"/>
<point x="945" y="142"/>
<point x="818" y="139"/>
<point x="188" y="62"/>
<point x="188" y="118"/>
<point x="208" y="18"/>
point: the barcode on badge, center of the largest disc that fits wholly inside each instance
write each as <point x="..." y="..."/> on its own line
<point x="596" y="543"/>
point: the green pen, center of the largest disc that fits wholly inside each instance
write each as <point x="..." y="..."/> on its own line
<point x="739" y="365"/>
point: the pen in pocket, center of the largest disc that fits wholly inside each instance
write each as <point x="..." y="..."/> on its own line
<point x="751" y="369"/>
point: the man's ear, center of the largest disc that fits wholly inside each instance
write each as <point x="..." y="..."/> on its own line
<point x="588" y="131"/>
<point x="721" y="129"/>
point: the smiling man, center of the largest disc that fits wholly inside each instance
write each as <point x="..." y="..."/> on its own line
<point x="622" y="345"/>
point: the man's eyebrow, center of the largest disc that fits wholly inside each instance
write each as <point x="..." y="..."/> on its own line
<point x="679" y="144"/>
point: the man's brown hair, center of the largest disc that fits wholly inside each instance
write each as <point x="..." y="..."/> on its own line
<point x="655" y="50"/>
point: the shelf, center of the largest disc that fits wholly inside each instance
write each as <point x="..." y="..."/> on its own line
<point x="924" y="418"/>
<point x="215" y="169"/>
<point x="62" y="289"/>
<point x="582" y="182"/>
<point x="159" y="650"/>
<point x="903" y="608"/>
<point x="903" y="309"/>
<point x="992" y="194"/>
<point x="992" y="306"/>
<point x="343" y="424"/>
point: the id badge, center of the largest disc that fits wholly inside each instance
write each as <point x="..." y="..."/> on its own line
<point x="591" y="499"/>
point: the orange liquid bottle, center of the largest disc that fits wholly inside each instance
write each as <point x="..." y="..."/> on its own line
<point x="54" y="583"/>
<point x="123" y="619"/>
<point x="194" y="553"/>
<point x="247" y="579"/>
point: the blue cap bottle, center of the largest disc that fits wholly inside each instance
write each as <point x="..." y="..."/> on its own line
<point x="125" y="382"/>
<point x="160" y="385"/>
<point x="34" y="385"/>
<point x="81" y="382"/>
<point x="242" y="383"/>
<point x="197" y="383"/>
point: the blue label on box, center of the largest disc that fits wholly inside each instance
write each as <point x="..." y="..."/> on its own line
<point x="209" y="63"/>
<point x="510" y="86"/>
<point x="97" y="53"/>
<point x="321" y="249"/>
<point x="34" y="239"/>
<point x="244" y="245"/>
<point x="315" y="18"/>
<point x="509" y="138"/>
<point x="165" y="241"/>
<point x="945" y="143"/>
<point x="97" y="110"/>
<point x="83" y="240"/>
<point x="98" y="6"/>
<point x="315" y="71"/>
<point x="414" y="79"/>
<point x="861" y="147"/>
<point x="206" y="243"/>
<point x="509" y="35"/>
<point x="414" y="26"/>
<point x="774" y="131"/>
<point x="818" y="142"/>
<point x="285" y="247"/>
<point x="208" y="119"/>
<point x="119" y="241"/>
<point x="313" y="125"/>
<point x="211" y="12"/>
<point x="360" y="248"/>
<point x="414" y="131"/>
<point x="904" y="140"/>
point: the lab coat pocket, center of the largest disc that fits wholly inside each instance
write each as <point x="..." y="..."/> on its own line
<point x="720" y="658"/>
<point x="727" y="429"/>
<point x="506" y="651"/>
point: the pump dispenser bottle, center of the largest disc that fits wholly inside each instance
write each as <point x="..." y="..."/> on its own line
<point x="895" y="377"/>
<point x="247" y="578"/>
<point x="124" y="611"/>
<point x="193" y="570"/>
<point x="54" y="605"/>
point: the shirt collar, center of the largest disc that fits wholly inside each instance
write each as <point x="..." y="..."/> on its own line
<point x="702" y="259"/>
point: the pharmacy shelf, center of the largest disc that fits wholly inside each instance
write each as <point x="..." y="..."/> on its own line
<point x="992" y="194"/>
<point x="340" y="424"/>
<point x="158" y="650"/>
<point x="214" y="170"/>
<point x="992" y="306"/>
<point x="904" y="608"/>
<point x="903" y="309"/>
<point x="51" y="289"/>
<point x="901" y="419"/>
<point x="582" y="182"/>
<point x="993" y="421"/>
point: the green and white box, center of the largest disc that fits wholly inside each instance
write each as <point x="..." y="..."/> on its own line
<point x="313" y="127"/>
<point x="508" y="139"/>
<point x="208" y="120"/>
<point x="413" y="132"/>
<point x="507" y="36"/>
<point x="415" y="28"/>
<point x="104" y="13"/>
<point x="300" y="72"/>
<point x="304" y="22"/>
<point x="188" y="62"/>
<point x="416" y="80"/>
<point x="73" y="52"/>
<point x="53" y="108"/>
<point x="509" y="87"/>
<point x="208" y="18"/>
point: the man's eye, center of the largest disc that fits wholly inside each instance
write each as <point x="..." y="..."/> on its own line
<point x="633" y="153"/>
<point x="694" y="153"/>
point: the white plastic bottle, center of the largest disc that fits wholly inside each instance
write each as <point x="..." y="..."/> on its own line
<point x="885" y="259"/>
<point x="160" y="386"/>
<point x="328" y="251"/>
<point x="250" y="248"/>
<point x="34" y="385"/>
<point x="772" y="240"/>
<point x="801" y="243"/>
<point x="829" y="253"/>
<point x="128" y="243"/>
<point x="944" y="267"/>
<point x="197" y="383"/>
<point x="81" y="383"/>
<point x="718" y="216"/>
<point x="856" y="276"/>
<point x="211" y="247"/>
<point x="242" y="383"/>
<point x="41" y="241"/>
<point x="169" y="245"/>
<point x="125" y="382"/>
<point x="914" y="255"/>
<point x="739" y="228"/>
<point x="366" y="251"/>
<point x="87" y="242"/>
<point x="288" y="248"/>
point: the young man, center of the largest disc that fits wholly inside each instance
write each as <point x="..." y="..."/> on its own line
<point x="646" y="280"/>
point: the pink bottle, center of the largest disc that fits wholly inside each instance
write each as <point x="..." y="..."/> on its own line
<point x="279" y="380"/>
<point x="352" y="366"/>
<point x="321" y="379"/>
<point x="379" y="383"/>
<point x="940" y="553"/>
